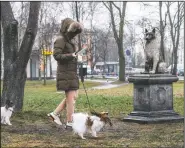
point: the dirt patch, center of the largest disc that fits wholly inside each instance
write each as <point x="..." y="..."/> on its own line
<point x="44" y="133"/>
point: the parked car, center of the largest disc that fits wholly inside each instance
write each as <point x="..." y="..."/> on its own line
<point x="180" y="67"/>
<point x="88" y="71"/>
<point x="180" y="72"/>
<point x="128" y="70"/>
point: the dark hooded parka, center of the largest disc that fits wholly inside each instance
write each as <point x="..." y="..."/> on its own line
<point x="67" y="78"/>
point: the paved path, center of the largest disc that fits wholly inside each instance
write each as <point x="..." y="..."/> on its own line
<point x="181" y="78"/>
<point x="101" y="81"/>
<point x="106" y="84"/>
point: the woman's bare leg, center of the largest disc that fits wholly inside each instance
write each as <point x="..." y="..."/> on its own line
<point x="60" y="107"/>
<point x="55" y="114"/>
<point x="70" y="103"/>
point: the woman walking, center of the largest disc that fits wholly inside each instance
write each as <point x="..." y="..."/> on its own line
<point x="67" y="78"/>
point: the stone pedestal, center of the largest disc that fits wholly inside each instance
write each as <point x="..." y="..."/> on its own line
<point x="153" y="99"/>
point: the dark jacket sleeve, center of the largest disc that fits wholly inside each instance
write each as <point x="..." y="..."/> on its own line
<point x="58" y="54"/>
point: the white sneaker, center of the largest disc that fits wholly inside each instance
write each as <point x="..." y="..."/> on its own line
<point x="55" y="118"/>
<point x="69" y="124"/>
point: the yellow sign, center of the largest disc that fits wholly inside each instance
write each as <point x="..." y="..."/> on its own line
<point x="47" y="52"/>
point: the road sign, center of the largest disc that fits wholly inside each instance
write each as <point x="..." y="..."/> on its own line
<point x="128" y="53"/>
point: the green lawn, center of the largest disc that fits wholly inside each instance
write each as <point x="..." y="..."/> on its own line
<point x="31" y="127"/>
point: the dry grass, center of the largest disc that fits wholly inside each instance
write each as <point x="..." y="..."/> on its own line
<point x="31" y="128"/>
<point x="122" y="134"/>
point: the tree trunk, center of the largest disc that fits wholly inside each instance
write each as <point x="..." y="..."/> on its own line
<point x="13" y="86"/>
<point x="162" y="27"/>
<point x="44" y="57"/>
<point x="39" y="70"/>
<point x="51" y="73"/>
<point x="14" y="75"/>
<point x="121" y="68"/>
<point x="174" y="72"/>
<point x="177" y="39"/>
<point x="175" y="33"/>
<point x="15" y="60"/>
<point x="118" y="35"/>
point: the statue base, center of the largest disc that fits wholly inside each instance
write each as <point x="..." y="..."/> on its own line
<point x="153" y="99"/>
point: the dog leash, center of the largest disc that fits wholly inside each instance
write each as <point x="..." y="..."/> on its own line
<point x="90" y="107"/>
<point x="46" y="101"/>
<point x="86" y="96"/>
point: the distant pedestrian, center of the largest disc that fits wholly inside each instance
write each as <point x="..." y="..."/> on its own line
<point x="67" y="78"/>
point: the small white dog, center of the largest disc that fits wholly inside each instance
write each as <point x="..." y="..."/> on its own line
<point x="83" y="123"/>
<point x="6" y="112"/>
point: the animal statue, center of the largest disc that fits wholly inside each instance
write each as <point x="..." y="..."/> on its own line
<point x="153" y="61"/>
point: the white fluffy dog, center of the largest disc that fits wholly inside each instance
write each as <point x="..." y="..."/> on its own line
<point x="6" y="112"/>
<point x="83" y="123"/>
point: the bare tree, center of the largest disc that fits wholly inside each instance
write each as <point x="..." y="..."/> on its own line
<point x="46" y="34"/>
<point x="92" y="8"/>
<point x="81" y="12"/>
<point x="139" y="59"/>
<point x="23" y="20"/>
<point x="94" y="47"/>
<point x="81" y="9"/>
<point x="103" y="49"/>
<point x="118" y="33"/>
<point x="130" y="41"/>
<point x="143" y="23"/>
<point x="78" y="18"/>
<point x="175" y="25"/>
<point x="48" y="28"/>
<point x="162" y="30"/>
<point x="16" y="59"/>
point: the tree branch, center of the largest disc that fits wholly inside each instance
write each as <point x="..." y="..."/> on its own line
<point x="165" y="21"/>
<point x="30" y="34"/>
<point x="171" y="23"/>
<point x="117" y="8"/>
<point x="113" y="23"/>
<point x="104" y="3"/>
<point x="174" y="18"/>
<point x="178" y="26"/>
<point x="122" y="21"/>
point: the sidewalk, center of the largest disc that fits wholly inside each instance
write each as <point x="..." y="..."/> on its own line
<point x="104" y="81"/>
<point x="106" y="84"/>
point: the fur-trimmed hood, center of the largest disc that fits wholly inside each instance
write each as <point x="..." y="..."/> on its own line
<point x="64" y="47"/>
<point x="69" y="26"/>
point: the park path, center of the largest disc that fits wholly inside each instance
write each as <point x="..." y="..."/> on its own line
<point x="106" y="84"/>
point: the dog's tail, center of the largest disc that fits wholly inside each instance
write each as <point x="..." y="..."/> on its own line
<point x="79" y="117"/>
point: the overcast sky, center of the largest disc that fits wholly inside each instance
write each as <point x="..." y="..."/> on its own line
<point x="134" y="12"/>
